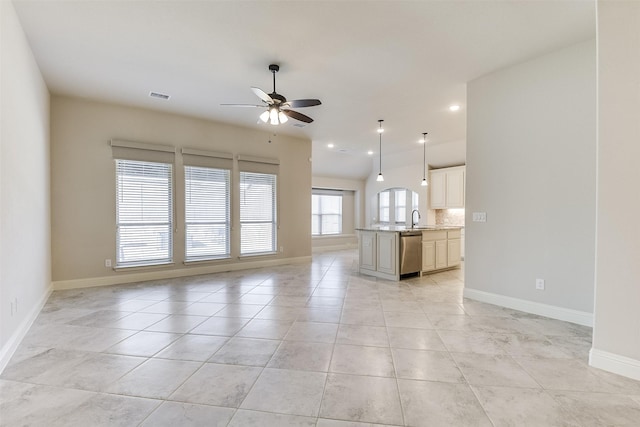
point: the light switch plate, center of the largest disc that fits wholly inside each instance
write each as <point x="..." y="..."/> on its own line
<point x="479" y="217"/>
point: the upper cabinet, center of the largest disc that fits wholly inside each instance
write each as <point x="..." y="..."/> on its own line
<point x="447" y="188"/>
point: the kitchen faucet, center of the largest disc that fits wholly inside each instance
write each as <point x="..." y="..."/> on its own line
<point x="413" y="224"/>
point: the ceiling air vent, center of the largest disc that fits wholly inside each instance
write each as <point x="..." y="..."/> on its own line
<point x="299" y="125"/>
<point x="158" y="95"/>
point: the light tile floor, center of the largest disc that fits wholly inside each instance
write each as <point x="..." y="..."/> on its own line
<point x="304" y="345"/>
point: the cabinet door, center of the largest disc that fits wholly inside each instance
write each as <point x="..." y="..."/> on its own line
<point x="441" y="254"/>
<point x="428" y="256"/>
<point x="453" y="252"/>
<point x="438" y="187"/>
<point x="387" y="253"/>
<point x="368" y="250"/>
<point x="455" y="188"/>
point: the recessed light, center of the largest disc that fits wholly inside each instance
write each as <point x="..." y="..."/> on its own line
<point x="330" y="145"/>
<point x="454" y="108"/>
<point x="370" y="152"/>
<point x="421" y="141"/>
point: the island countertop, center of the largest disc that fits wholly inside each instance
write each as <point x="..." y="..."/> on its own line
<point x="402" y="228"/>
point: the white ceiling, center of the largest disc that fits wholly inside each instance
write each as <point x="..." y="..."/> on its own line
<point x="401" y="61"/>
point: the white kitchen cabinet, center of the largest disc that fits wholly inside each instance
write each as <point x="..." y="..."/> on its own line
<point x="438" y="190"/>
<point x="453" y="252"/>
<point x="368" y="251"/>
<point x="447" y="188"/>
<point x="428" y="255"/>
<point x="441" y="254"/>
<point x="387" y="253"/>
<point x="440" y="249"/>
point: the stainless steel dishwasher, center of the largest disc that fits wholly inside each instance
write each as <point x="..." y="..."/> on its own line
<point x="410" y="252"/>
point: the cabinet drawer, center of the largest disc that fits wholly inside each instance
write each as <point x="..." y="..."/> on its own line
<point x="428" y="236"/>
<point x="453" y="234"/>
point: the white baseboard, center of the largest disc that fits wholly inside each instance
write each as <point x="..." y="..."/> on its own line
<point x="560" y="313"/>
<point x="615" y="363"/>
<point x="123" y="277"/>
<point x="342" y="247"/>
<point x="7" y="350"/>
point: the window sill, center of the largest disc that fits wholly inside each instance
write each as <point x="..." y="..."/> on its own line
<point x="142" y="267"/>
<point x="261" y="254"/>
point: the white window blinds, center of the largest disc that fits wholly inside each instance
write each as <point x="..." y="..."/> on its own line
<point x="326" y="214"/>
<point x="257" y="213"/>
<point x="207" y="213"/>
<point x="144" y="213"/>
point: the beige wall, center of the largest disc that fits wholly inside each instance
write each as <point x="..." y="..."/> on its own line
<point x="531" y="159"/>
<point x="83" y="187"/>
<point x="25" y="272"/>
<point x="616" y="345"/>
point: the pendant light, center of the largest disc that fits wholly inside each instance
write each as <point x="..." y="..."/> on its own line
<point x="380" y="130"/>
<point x="424" y="159"/>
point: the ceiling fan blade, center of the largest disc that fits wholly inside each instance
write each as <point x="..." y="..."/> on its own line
<point x="300" y="103"/>
<point x="242" y="105"/>
<point x="298" y="116"/>
<point x="262" y="95"/>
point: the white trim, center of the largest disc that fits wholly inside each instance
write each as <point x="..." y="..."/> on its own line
<point x="342" y="247"/>
<point x="615" y="363"/>
<point x="204" y="153"/>
<point x="560" y="313"/>
<point x="169" y="274"/>
<point x="142" y="146"/>
<point x="6" y="352"/>
<point x="253" y="159"/>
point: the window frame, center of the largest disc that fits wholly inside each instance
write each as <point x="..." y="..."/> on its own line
<point x="188" y="191"/>
<point x="273" y="221"/>
<point x="320" y="194"/>
<point x="120" y="165"/>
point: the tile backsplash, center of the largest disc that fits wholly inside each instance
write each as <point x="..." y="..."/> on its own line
<point x="450" y="217"/>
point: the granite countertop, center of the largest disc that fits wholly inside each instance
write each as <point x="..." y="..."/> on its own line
<point x="401" y="228"/>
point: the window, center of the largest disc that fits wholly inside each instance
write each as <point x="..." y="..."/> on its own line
<point x="401" y="206"/>
<point x="393" y="204"/>
<point x="383" y="206"/>
<point x="207" y="213"/>
<point x="144" y="213"/>
<point x="257" y="213"/>
<point x="326" y="214"/>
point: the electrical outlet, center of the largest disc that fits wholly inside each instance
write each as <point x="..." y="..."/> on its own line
<point x="107" y="263"/>
<point x="540" y="284"/>
<point x="281" y="249"/>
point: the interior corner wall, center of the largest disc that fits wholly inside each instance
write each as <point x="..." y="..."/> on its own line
<point x="83" y="187"/>
<point x="531" y="166"/>
<point x="616" y="341"/>
<point x="25" y="269"/>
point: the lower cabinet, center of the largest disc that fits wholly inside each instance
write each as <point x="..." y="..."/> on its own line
<point x="453" y="252"/>
<point x="378" y="254"/>
<point x="441" y="254"/>
<point x="428" y="255"/>
<point x="387" y="253"/>
<point x="440" y="249"/>
<point x="368" y="252"/>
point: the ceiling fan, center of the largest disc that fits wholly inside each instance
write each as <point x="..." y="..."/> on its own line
<point x="278" y="108"/>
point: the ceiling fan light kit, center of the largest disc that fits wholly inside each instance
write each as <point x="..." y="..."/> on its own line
<point x="278" y="108"/>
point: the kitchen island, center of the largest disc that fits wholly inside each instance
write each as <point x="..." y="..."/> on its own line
<point x="391" y="252"/>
